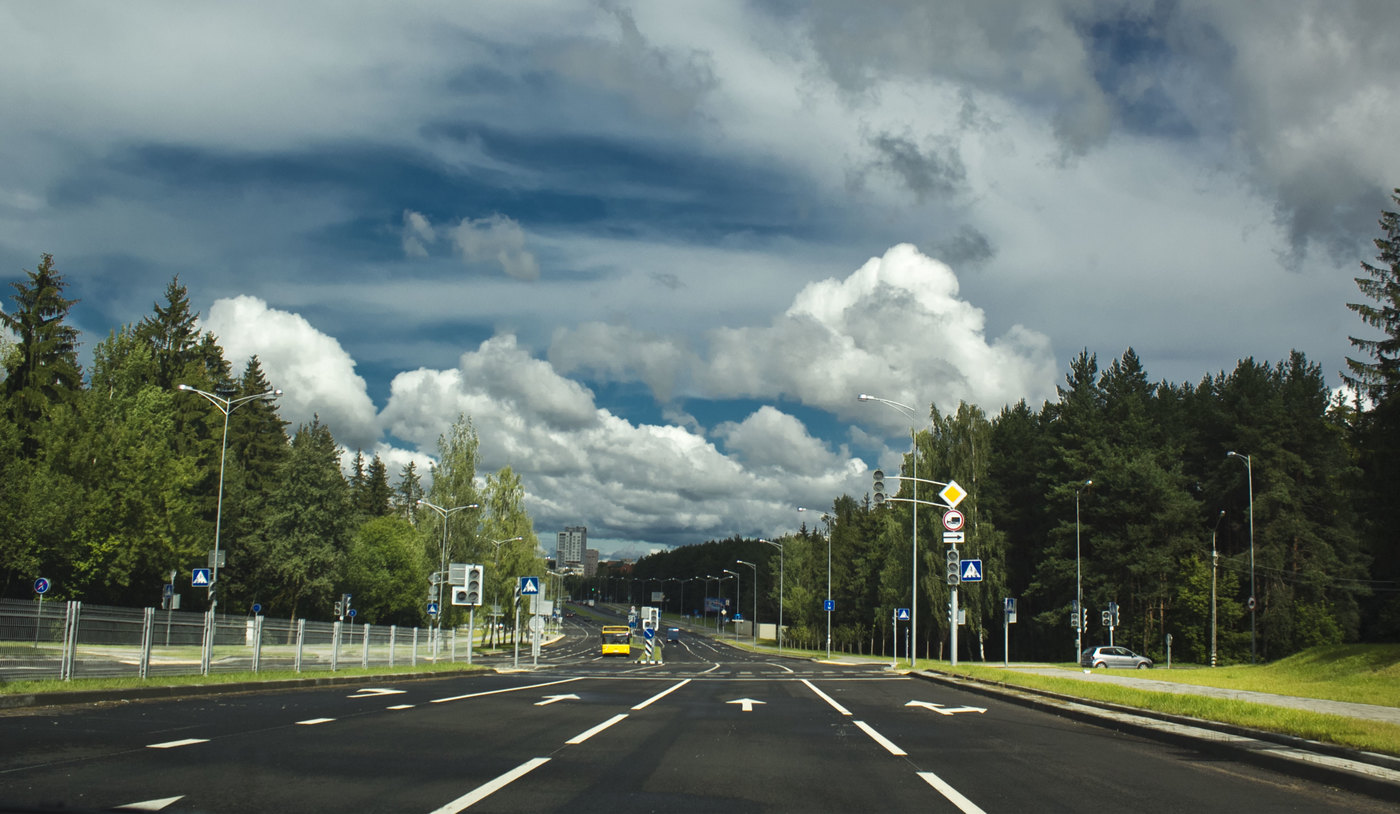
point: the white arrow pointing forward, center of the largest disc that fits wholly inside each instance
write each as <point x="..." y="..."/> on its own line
<point x="942" y="710"/>
<point x="550" y="699"/>
<point x="371" y="692"/>
<point x="746" y="704"/>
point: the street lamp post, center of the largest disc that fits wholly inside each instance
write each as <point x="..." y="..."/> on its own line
<point x="1214" y="563"/>
<point x="914" y="557"/>
<point x="827" y="604"/>
<point x="1078" y="577"/>
<point x="226" y="406"/>
<point x="496" y="568"/>
<point x="441" y="576"/>
<point x="754" y="623"/>
<point x="781" y="568"/>
<point x="1249" y="470"/>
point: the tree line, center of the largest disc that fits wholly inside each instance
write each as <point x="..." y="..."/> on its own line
<point x="1125" y="490"/>
<point x="115" y="480"/>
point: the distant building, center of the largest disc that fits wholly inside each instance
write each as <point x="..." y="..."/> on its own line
<point x="590" y="562"/>
<point x="569" y="551"/>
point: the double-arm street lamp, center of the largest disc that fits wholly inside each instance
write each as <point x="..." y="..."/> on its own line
<point x="1249" y="470"/>
<point x="226" y="406"/>
<point x="738" y="592"/>
<point x="755" y="599"/>
<point x="441" y="575"/>
<point x="914" y="558"/>
<point x="1078" y="577"/>
<point x="781" y="564"/>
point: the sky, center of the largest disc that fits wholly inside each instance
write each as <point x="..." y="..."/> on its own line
<point x="655" y="250"/>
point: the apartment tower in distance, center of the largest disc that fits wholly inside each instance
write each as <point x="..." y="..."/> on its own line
<point x="569" y="552"/>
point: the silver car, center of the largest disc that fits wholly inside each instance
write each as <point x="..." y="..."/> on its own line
<point x="1113" y="657"/>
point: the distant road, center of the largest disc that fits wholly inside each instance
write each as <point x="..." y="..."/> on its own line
<point x="712" y="729"/>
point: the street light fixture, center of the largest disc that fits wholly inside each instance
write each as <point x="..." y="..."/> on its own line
<point x="1078" y="577"/>
<point x="1249" y="470"/>
<point x="441" y="575"/>
<point x="755" y="599"/>
<point x="781" y="568"/>
<point x="914" y="556"/>
<point x="495" y="577"/>
<point x="827" y="604"/>
<point x="226" y="406"/>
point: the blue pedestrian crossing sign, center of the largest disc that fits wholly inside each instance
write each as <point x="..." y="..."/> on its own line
<point x="200" y="578"/>
<point x="971" y="570"/>
<point x="901" y="614"/>
<point x="432" y="609"/>
<point x="529" y="585"/>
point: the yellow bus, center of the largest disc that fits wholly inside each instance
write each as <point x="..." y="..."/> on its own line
<point x="617" y="640"/>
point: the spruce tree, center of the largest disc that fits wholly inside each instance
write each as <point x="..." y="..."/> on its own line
<point x="44" y="371"/>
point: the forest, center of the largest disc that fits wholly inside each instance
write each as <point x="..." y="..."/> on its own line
<point x="1247" y="515"/>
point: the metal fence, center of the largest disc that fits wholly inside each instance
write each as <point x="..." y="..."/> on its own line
<point x="64" y="640"/>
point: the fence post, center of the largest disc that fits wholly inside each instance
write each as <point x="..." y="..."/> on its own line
<point x="70" y="639"/>
<point x="257" y="641"/>
<point x="301" y="639"/>
<point x="393" y="629"/>
<point x="413" y="659"/>
<point x="148" y="632"/>
<point x="364" y="653"/>
<point x="207" y="651"/>
<point x="335" y="646"/>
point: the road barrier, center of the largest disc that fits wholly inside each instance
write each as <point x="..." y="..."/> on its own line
<point x="64" y="640"/>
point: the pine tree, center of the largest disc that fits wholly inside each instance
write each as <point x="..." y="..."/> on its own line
<point x="172" y="334"/>
<point x="45" y="370"/>
<point x="1378" y="379"/>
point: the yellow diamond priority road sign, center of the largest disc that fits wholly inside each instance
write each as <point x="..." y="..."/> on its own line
<point x="952" y="494"/>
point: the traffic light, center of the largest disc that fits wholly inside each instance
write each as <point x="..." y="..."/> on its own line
<point x="879" y="488"/>
<point x="954" y="566"/>
<point x="1106" y="618"/>
<point x="1113" y="611"/>
<point x="475" y="584"/>
<point x="339" y="609"/>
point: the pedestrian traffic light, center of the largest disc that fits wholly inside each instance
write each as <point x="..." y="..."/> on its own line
<point x="954" y="566"/>
<point x="1106" y="618"/>
<point x="879" y="488"/>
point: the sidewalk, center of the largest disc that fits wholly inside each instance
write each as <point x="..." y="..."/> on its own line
<point x="1370" y="712"/>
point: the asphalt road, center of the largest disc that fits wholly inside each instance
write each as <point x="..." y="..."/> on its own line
<point x="711" y="729"/>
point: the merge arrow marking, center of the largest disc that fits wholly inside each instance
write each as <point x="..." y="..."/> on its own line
<point x="150" y="805"/>
<point x="371" y="692"/>
<point x="942" y="710"/>
<point x="746" y="704"/>
<point x="550" y="699"/>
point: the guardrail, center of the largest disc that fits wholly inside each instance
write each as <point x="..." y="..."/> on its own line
<point x="64" y="640"/>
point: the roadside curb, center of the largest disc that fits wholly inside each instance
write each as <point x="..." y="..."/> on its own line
<point x="68" y="697"/>
<point x="1369" y="773"/>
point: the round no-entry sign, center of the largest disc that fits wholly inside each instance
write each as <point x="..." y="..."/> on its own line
<point x="953" y="520"/>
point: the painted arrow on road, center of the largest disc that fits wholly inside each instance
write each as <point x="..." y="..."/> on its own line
<point x="942" y="710"/>
<point x="746" y="704"/>
<point x="371" y="692"/>
<point x="550" y="699"/>
<point x="151" y="805"/>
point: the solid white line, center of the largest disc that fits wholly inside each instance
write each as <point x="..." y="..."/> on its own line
<point x="401" y="706"/>
<point x="314" y="721"/>
<point x="507" y="689"/>
<point x="966" y="805"/>
<point x="660" y="695"/>
<point x="480" y="793"/>
<point x="881" y="739"/>
<point x="826" y="698"/>
<point x="583" y="736"/>
<point x="173" y="744"/>
<point x="784" y="666"/>
<point x="711" y="670"/>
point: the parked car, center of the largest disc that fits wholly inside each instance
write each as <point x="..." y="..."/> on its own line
<point x="1113" y="657"/>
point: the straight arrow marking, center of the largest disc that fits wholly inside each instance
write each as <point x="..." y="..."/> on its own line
<point x="746" y="704"/>
<point x="550" y="699"/>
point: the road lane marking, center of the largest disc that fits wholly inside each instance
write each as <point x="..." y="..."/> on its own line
<point x="583" y="736"/>
<point x="550" y="699"/>
<point x="507" y="689"/>
<point x="881" y="739"/>
<point x="746" y="704"/>
<point x="660" y="695"/>
<point x="174" y="744"/>
<point x="371" y="692"/>
<point x="966" y="805"/>
<point x="942" y="710"/>
<point x="711" y="670"/>
<point x="481" y="792"/>
<point x="784" y="666"/>
<point x="314" y="721"/>
<point x="401" y="706"/>
<point x="151" y="805"/>
<point x="826" y="698"/>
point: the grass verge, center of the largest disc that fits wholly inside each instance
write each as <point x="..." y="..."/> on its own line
<point x="132" y="682"/>
<point x="1372" y="736"/>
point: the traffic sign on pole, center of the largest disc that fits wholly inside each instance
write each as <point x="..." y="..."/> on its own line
<point x="953" y="520"/>
<point x="200" y="578"/>
<point x="529" y="585"/>
<point x="41" y="586"/>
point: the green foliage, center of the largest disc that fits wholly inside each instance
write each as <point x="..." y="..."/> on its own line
<point x="385" y="569"/>
<point x="43" y="373"/>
